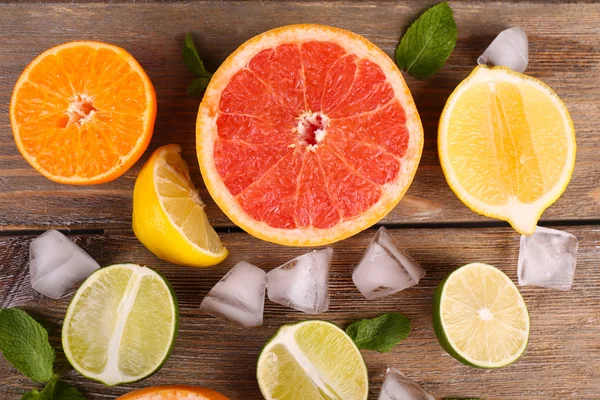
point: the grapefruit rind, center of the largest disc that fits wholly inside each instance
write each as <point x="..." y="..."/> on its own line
<point x="148" y="117"/>
<point x="522" y="217"/>
<point x="206" y="133"/>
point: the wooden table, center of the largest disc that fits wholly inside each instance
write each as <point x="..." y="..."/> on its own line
<point x="563" y="357"/>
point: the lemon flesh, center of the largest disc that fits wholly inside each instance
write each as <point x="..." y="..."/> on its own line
<point x="168" y="214"/>
<point x="312" y="360"/>
<point x="480" y="318"/>
<point x="121" y="324"/>
<point x="507" y="145"/>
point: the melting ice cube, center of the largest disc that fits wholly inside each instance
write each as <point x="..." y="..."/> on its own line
<point x="384" y="269"/>
<point x="398" y="387"/>
<point x="509" y="49"/>
<point x="239" y="297"/>
<point x="57" y="265"/>
<point x="547" y="259"/>
<point x="302" y="283"/>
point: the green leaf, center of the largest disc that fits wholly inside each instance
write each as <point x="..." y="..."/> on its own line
<point x="197" y="86"/>
<point x="55" y="390"/>
<point x="24" y="344"/>
<point x="191" y="58"/>
<point x="31" y="395"/>
<point x="428" y="42"/>
<point x="381" y="333"/>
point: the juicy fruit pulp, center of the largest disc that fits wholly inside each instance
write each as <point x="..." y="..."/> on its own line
<point x="507" y="145"/>
<point x="83" y="112"/>
<point x="121" y="324"/>
<point x="168" y="214"/>
<point x="480" y="317"/>
<point x="312" y="360"/>
<point x="176" y="392"/>
<point x="305" y="129"/>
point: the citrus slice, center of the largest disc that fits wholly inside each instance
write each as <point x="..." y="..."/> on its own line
<point x="168" y="214"/>
<point x="507" y="145"/>
<point x="480" y="318"/>
<point x="176" y="392"/>
<point x="83" y="112"/>
<point x="307" y="134"/>
<point x="121" y="325"/>
<point x="312" y="360"/>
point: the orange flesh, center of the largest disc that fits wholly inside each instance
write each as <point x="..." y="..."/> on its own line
<point x="81" y="115"/>
<point x="308" y="135"/>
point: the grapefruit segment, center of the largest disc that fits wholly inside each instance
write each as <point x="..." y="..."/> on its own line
<point x="367" y="159"/>
<point x="241" y="164"/>
<point x="307" y="134"/>
<point x="280" y="69"/>
<point x="314" y="206"/>
<point x="317" y="58"/>
<point x="272" y="197"/>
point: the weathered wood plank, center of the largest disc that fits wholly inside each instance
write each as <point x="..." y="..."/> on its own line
<point x="561" y="362"/>
<point x="564" y="54"/>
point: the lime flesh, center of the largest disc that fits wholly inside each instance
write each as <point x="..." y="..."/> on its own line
<point x="121" y="324"/>
<point x="312" y="360"/>
<point x="480" y="318"/>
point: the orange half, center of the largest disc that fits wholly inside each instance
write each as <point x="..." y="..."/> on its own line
<point x="176" y="392"/>
<point x="308" y="134"/>
<point x="83" y="112"/>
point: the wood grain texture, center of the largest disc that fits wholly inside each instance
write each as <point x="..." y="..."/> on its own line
<point x="561" y="362"/>
<point x="564" y="53"/>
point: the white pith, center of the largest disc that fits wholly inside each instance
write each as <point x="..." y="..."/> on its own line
<point x="206" y="129"/>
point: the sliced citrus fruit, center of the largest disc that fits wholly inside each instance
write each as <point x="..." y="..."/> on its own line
<point x="168" y="214"/>
<point x="480" y="318"/>
<point x="83" y="112"/>
<point x="312" y="360"/>
<point x="308" y="134"/>
<point x="176" y="392"/>
<point x="507" y="145"/>
<point x="121" y="324"/>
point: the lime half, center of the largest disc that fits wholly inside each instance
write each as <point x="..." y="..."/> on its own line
<point x="312" y="360"/>
<point x="480" y="317"/>
<point x="121" y="325"/>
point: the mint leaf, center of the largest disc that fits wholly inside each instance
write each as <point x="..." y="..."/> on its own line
<point x="428" y="42"/>
<point x="197" y="86"/>
<point x="381" y="333"/>
<point x="31" y="395"/>
<point x="191" y="58"/>
<point x="24" y="344"/>
<point x="55" y="390"/>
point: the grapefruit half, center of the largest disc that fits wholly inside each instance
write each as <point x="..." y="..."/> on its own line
<point x="308" y="134"/>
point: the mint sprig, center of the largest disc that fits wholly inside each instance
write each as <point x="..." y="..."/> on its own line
<point x="428" y="42"/>
<point x="381" y="333"/>
<point x="24" y="343"/>
<point x="55" y="390"/>
<point x="191" y="58"/>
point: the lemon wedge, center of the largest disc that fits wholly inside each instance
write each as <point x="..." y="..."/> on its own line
<point x="168" y="214"/>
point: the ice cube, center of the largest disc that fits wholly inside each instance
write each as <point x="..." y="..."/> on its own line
<point x="384" y="269"/>
<point x="397" y="386"/>
<point x="239" y="297"/>
<point x="509" y="49"/>
<point x="57" y="265"/>
<point x="547" y="259"/>
<point x="302" y="283"/>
